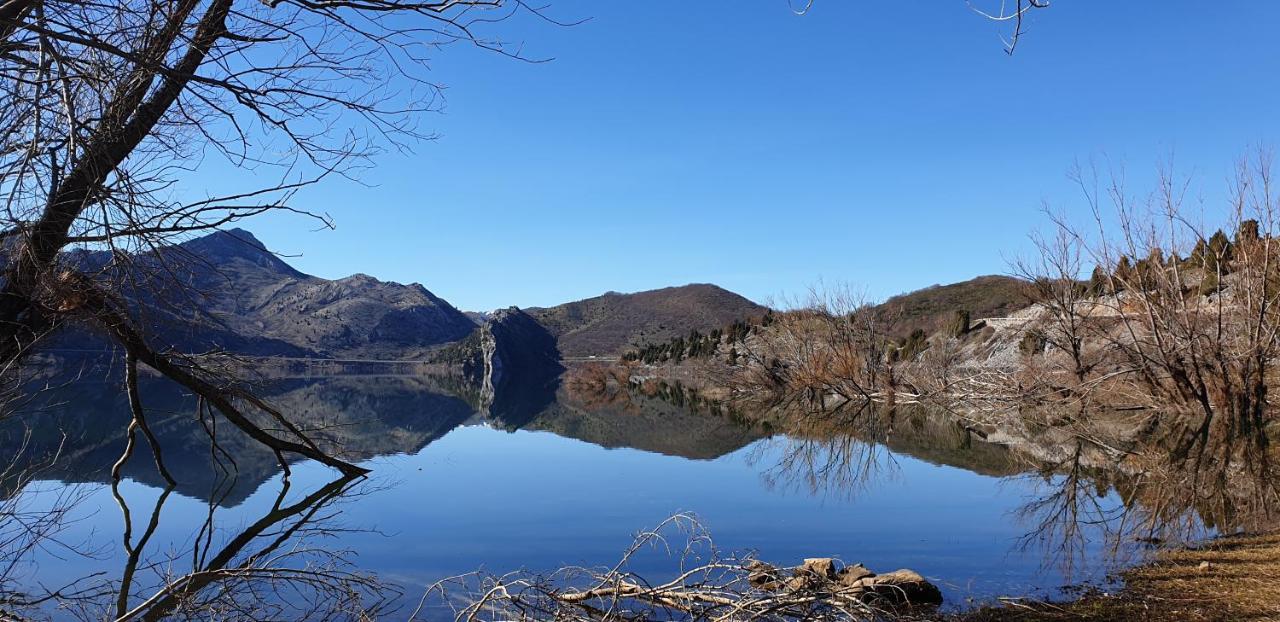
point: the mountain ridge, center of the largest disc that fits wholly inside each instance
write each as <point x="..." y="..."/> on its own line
<point x="227" y="291"/>
<point x="608" y="324"/>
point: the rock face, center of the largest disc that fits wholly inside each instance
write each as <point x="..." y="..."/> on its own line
<point x="515" y="362"/>
<point x="514" y="345"/>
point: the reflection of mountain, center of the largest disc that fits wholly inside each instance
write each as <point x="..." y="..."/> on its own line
<point x="360" y="416"/>
<point x="935" y="437"/>
<point x="645" y="423"/>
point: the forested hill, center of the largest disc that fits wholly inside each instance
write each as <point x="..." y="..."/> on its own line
<point x="930" y="309"/>
<point x="609" y="324"/>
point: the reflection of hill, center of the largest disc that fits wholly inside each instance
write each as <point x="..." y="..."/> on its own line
<point x="359" y="417"/>
<point x="939" y="439"/>
<point x="645" y="423"/>
<point x="86" y="421"/>
<point x="931" y="436"/>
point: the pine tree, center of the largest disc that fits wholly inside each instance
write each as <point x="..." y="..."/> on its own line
<point x="959" y="325"/>
<point x="1247" y="232"/>
<point x="1032" y="343"/>
<point x="1220" y="247"/>
<point x="1098" y="282"/>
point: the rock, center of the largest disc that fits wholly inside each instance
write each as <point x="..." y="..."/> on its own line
<point x="763" y="576"/>
<point x="850" y="575"/>
<point x="899" y="588"/>
<point x="1205" y="566"/>
<point x="813" y="573"/>
<point x="820" y="567"/>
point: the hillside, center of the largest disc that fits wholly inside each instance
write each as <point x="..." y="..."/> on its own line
<point x="609" y="324"/>
<point x="251" y="302"/>
<point x="929" y="309"/>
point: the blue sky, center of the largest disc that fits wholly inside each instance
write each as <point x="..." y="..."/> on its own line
<point x="887" y="145"/>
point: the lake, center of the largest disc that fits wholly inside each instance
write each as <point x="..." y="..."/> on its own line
<point x="551" y="478"/>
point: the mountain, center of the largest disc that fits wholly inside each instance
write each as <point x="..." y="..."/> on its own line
<point x="251" y="302"/>
<point x="609" y="324"/>
<point x="929" y="309"/>
<point x="227" y="291"/>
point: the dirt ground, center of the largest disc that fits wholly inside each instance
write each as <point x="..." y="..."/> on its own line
<point x="1235" y="578"/>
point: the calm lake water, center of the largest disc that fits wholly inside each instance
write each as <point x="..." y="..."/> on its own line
<point x="552" y="479"/>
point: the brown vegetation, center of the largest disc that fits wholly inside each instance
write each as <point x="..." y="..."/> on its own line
<point x="931" y="308"/>
<point x="1232" y="579"/>
<point x="606" y="325"/>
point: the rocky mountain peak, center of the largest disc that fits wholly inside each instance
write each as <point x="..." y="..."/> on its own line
<point x="223" y="246"/>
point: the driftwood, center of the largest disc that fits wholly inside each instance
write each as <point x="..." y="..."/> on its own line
<point x="707" y="586"/>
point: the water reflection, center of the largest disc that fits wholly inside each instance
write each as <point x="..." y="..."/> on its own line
<point x="79" y="429"/>
<point x="926" y="487"/>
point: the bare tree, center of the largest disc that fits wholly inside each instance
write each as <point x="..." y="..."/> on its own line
<point x="1166" y="358"/>
<point x="1014" y="13"/>
<point x="830" y="349"/>
<point x="110" y="106"/>
<point x="1205" y="350"/>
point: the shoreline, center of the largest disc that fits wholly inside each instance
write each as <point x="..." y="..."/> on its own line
<point x="1230" y="578"/>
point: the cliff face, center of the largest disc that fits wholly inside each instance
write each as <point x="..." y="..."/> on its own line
<point x="513" y="340"/>
<point x="515" y="348"/>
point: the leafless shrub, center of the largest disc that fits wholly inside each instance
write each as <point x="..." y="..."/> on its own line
<point x="830" y="348"/>
<point x="1145" y="330"/>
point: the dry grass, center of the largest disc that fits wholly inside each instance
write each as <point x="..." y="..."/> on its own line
<point x="1241" y="583"/>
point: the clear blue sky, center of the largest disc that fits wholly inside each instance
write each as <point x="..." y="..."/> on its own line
<point x="889" y="145"/>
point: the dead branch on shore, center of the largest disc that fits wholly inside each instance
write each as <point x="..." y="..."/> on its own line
<point x="707" y="585"/>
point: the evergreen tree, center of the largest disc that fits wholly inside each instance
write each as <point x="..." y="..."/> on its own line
<point x="1098" y="282"/>
<point x="914" y="344"/>
<point x="1247" y="232"/>
<point x="959" y="325"/>
<point x="1220" y="247"/>
<point x="1032" y="343"/>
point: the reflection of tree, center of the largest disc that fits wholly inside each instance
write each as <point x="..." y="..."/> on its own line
<point x="1067" y="506"/>
<point x="1116" y="488"/>
<point x="353" y="417"/>
<point x="837" y="453"/>
<point x="268" y="569"/>
<point x="29" y="526"/>
<point x="1097" y="486"/>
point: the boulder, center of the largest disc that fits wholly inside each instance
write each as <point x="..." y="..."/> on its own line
<point x="813" y="573"/>
<point x="763" y="576"/>
<point x="899" y="588"/>
<point x="850" y="575"/>
<point x="820" y="567"/>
